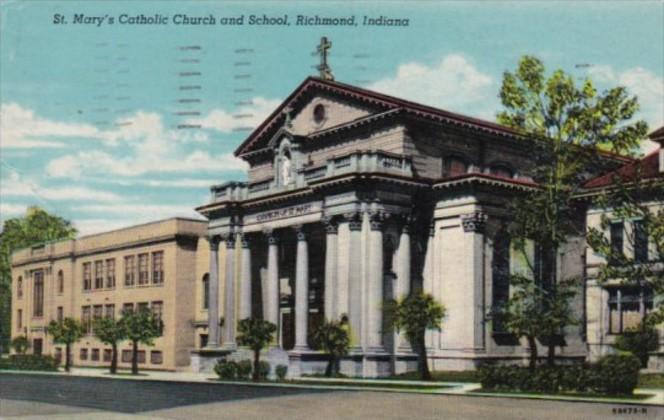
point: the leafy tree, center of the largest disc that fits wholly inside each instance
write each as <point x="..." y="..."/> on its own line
<point x="566" y="127"/>
<point x="639" y="341"/>
<point x="35" y="227"/>
<point x="66" y="332"/>
<point x="141" y="326"/>
<point x="110" y="331"/>
<point x="416" y="314"/>
<point x="256" y="334"/>
<point x="333" y="338"/>
<point x="20" y="344"/>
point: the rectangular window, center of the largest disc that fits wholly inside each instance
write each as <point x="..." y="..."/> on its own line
<point x="158" y="310"/>
<point x="108" y="355"/>
<point x="156" y="357"/>
<point x="640" y="242"/>
<point x="19" y="319"/>
<point x="203" y="340"/>
<point x="38" y="294"/>
<point x="87" y="276"/>
<point x="110" y="273"/>
<point x="158" y="267"/>
<point x="99" y="274"/>
<point x="143" y="273"/>
<point x="84" y="354"/>
<point x="86" y="319"/>
<point x="143" y="306"/>
<point x="19" y="287"/>
<point x="58" y="355"/>
<point x="126" y="356"/>
<point x="110" y="311"/>
<point x="60" y="314"/>
<point x="141" y="356"/>
<point x="98" y="311"/>
<point x="94" y="355"/>
<point x="617" y="240"/>
<point x="61" y="282"/>
<point x="127" y="308"/>
<point x="130" y="270"/>
<point x="627" y="307"/>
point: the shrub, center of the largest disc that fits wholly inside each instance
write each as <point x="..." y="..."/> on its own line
<point x="20" y="344"/>
<point x="639" y="341"/>
<point x="226" y="369"/>
<point x="617" y="373"/>
<point x="281" y="371"/>
<point x="29" y="362"/>
<point x="263" y="370"/>
<point x="244" y="369"/>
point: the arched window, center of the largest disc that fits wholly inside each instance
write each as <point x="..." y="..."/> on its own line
<point x="502" y="171"/>
<point x="500" y="275"/>
<point x="19" y="287"/>
<point x="61" y="282"/>
<point x="206" y="291"/>
<point x="455" y="165"/>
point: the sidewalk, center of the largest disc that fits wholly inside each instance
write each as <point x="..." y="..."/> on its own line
<point x="350" y="384"/>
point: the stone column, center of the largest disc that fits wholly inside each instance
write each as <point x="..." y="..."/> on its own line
<point x="245" y="281"/>
<point x="354" y="267"/>
<point x="375" y="284"/>
<point x="330" y="269"/>
<point x="229" y="295"/>
<point x="403" y="283"/>
<point x="428" y="281"/>
<point x="473" y="226"/>
<point x="301" y="291"/>
<point x="213" y="294"/>
<point x="271" y="309"/>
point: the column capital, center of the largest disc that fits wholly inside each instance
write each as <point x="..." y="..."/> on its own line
<point x="432" y="229"/>
<point x="331" y="225"/>
<point x="354" y="221"/>
<point x="406" y="222"/>
<point x="229" y="238"/>
<point x="474" y="222"/>
<point x="300" y="232"/>
<point x="377" y="219"/>
<point x="271" y="236"/>
<point x="243" y="239"/>
<point x="214" y="242"/>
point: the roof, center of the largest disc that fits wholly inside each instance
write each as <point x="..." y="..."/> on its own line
<point x="382" y="101"/>
<point x="649" y="169"/>
<point x="657" y="135"/>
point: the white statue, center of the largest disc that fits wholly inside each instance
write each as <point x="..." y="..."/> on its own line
<point x="285" y="170"/>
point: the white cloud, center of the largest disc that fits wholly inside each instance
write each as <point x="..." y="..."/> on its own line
<point x="14" y="186"/>
<point x="454" y="83"/>
<point x="246" y="116"/>
<point x="99" y="162"/>
<point x="140" y="211"/>
<point x="8" y="209"/>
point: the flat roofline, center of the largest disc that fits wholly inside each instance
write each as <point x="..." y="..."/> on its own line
<point x="78" y="238"/>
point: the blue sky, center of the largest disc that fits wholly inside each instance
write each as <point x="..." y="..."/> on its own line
<point x="89" y="113"/>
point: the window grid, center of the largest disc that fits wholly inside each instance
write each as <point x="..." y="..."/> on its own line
<point x="87" y="276"/>
<point x="158" y="267"/>
<point x="143" y="272"/>
<point x="110" y="273"/>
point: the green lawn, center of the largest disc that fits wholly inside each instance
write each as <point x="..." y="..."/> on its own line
<point x="369" y="384"/>
<point x="651" y="380"/>
<point x="442" y="376"/>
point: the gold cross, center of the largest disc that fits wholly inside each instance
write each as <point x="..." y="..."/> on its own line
<point x="323" y="68"/>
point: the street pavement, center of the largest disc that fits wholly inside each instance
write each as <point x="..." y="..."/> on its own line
<point x="59" y="397"/>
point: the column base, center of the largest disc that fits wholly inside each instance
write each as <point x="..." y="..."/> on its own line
<point x="229" y="347"/>
<point x="204" y="360"/>
<point x="300" y="349"/>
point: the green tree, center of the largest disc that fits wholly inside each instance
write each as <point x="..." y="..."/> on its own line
<point x="416" y="314"/>
<point x="333" y="338"/>
<point x="256" y="334"/>
<point x="20" y="344"/>
<point x="110" y="331"/>
<point x="35" y="227"/>
<point x="566" y="126"/>
<point x="141" y="326"/>
<point x="66" y="332"/>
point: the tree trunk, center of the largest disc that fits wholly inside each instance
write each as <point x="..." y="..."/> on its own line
<point x="551" y="355"/>
<point x="257" y="358"/>
<point x="329" y="370"/>
<point x="425" y="374"/>
<point x="532" y="344"/>
<point x="114" y="359"/>
<point x="134" y="358"/>
<point x="67" y="357"/>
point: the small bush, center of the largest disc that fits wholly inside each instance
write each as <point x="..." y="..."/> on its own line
<point x="244" y="368"/>
<point x="29" y="362"/>
<point x="263" y="370"/>
<point x="226" y="369"/>
<point x="20" y="344"/>
<point x="281" y="371"/>
<point x="617" y="374"/>
<point x="639" y="341"/>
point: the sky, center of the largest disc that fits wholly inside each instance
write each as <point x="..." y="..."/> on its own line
<point x="92" y="126"/>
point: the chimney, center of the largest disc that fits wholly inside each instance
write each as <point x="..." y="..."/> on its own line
<point x="658" y="136"/>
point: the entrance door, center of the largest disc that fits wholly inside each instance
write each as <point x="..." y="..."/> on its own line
<point x="37" y="346"/>
<point x="287" y="330"/>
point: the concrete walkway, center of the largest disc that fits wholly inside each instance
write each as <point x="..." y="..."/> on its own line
<point x="350" y="384"/>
